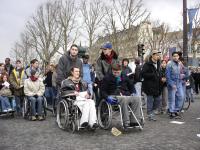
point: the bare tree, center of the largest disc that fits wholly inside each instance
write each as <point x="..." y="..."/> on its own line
<point x="122" y="23"/>
<point x="67" y="20"/>
<point x="130" y="12"/>
<point x="159" y="39"/>
<point x="45" y="31"/>
<point x="92" y="13"/>
<point x="22" y="50"/>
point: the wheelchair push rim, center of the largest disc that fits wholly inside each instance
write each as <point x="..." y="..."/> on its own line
<point x="105" y="115"/>
<point x="62" y="115"/>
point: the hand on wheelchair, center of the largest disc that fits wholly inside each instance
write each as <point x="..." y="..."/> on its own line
<point x="111" y="100"/>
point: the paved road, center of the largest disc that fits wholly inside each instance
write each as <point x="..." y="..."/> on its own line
<point x="20" y="134"/>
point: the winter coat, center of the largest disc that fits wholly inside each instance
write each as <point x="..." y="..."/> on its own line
<point x="103" y="67"/>
<point x="28" y="72"/>
<point x="68" y="86"/>
<point x="110" y="86"/>
<point x="151" y="84"/>
<point x="48" y="79"/>
<point x="5" y="91"/>
<point x="64" y="66"/>
<point x="32" y="88"/>
<point x="17" y="79"/>
<point x="9" y="68"/>
<point x="125" y="71"/>
<point x="137" y="76"/>
<point x="163" y="75"/>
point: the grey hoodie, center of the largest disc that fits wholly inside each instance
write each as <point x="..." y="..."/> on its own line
<point x="64" y="66"/>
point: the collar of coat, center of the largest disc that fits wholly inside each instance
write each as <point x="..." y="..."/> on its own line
<point x="115" y="56"/>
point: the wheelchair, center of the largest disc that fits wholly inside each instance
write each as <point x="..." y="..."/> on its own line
<point x="26" y="109"/>
<point x="106" y="111"/>
<point x="67" y="113"/>
<point x="13" y="106"/>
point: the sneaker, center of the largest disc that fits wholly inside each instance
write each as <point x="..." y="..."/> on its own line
<point x="151" y="118"/>
<point x="156" y="112"/>
<point x="33" y="118"/>
<point x="134" y="124"/>
<point x="40" y="118"/>
<point x="84" y="125"/>
<point x="9" y="109"/>
<point x="177" y="115"/>
<point x="172" y="116"/>
<point x="126" y="126"/>
<point x="5" y="110"/>
<point x="95" y="125"/>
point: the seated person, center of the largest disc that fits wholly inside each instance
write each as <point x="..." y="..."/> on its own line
<point x="5" y="92"/>
<point x="121" y="88"/>
<point x="34" y="90"/>
<point x="86" y="105"/>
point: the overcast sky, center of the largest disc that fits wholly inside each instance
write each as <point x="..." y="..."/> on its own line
<point x="15" y="13"/>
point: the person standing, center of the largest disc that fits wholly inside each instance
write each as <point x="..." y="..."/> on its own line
<point x="66" y="62"/>
<point x="104" y="62"/>
<point x="8" y="67"/>
<point x="163" y="106"/>
<point x="152" y="83"/>
<point x="88" y="74"/>
<point x="174" y="86"/>
<point x="17" y="78"/>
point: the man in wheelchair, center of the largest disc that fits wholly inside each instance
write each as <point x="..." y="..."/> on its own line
<point x="83" y="101"/>
<point x="115" y="88"/>
<point x="34" y="90"/>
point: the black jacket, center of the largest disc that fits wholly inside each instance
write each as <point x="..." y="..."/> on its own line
<point x="48" y="79"/>
<point x="152" y="78"/>
<point x="110" y="87"/>
<point x="163" y="74"/>
<point x="64" y="65"/>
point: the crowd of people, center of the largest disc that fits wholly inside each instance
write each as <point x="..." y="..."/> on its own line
<point x="166" y="84"/>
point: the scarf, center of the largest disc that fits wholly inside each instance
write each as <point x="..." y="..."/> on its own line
<point x="109" y="57"/>
<point x="33" y="78"/>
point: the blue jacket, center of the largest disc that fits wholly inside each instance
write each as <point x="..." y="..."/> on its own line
<point x="173" y="71"/>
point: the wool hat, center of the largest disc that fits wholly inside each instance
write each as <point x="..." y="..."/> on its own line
<point x="107" y="45"/>
<point x="154" y="52"/>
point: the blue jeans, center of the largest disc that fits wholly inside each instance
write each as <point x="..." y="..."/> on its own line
<point x="138" y="88"/>
<point x="5" y="104"/>
<point x="90" y="88"/>
<point x="19" y="103"/>
<point x="33" y="101"/>
<point x="153" y="103"/>
<point x="50" y="94"/>
<point x="175" y="98"/>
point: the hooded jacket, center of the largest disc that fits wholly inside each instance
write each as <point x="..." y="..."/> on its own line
<point x="64" y="65"/>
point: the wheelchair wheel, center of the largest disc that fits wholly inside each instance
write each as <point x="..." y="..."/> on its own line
<point x="44" y="108"/>
<point x="72" y="127"/>
<point x="24" y="108"/>
<point x="62" y="115"/>
<point x="105" y="114"/>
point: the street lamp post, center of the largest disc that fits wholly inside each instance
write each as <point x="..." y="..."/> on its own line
<point x="185" y="38"/>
